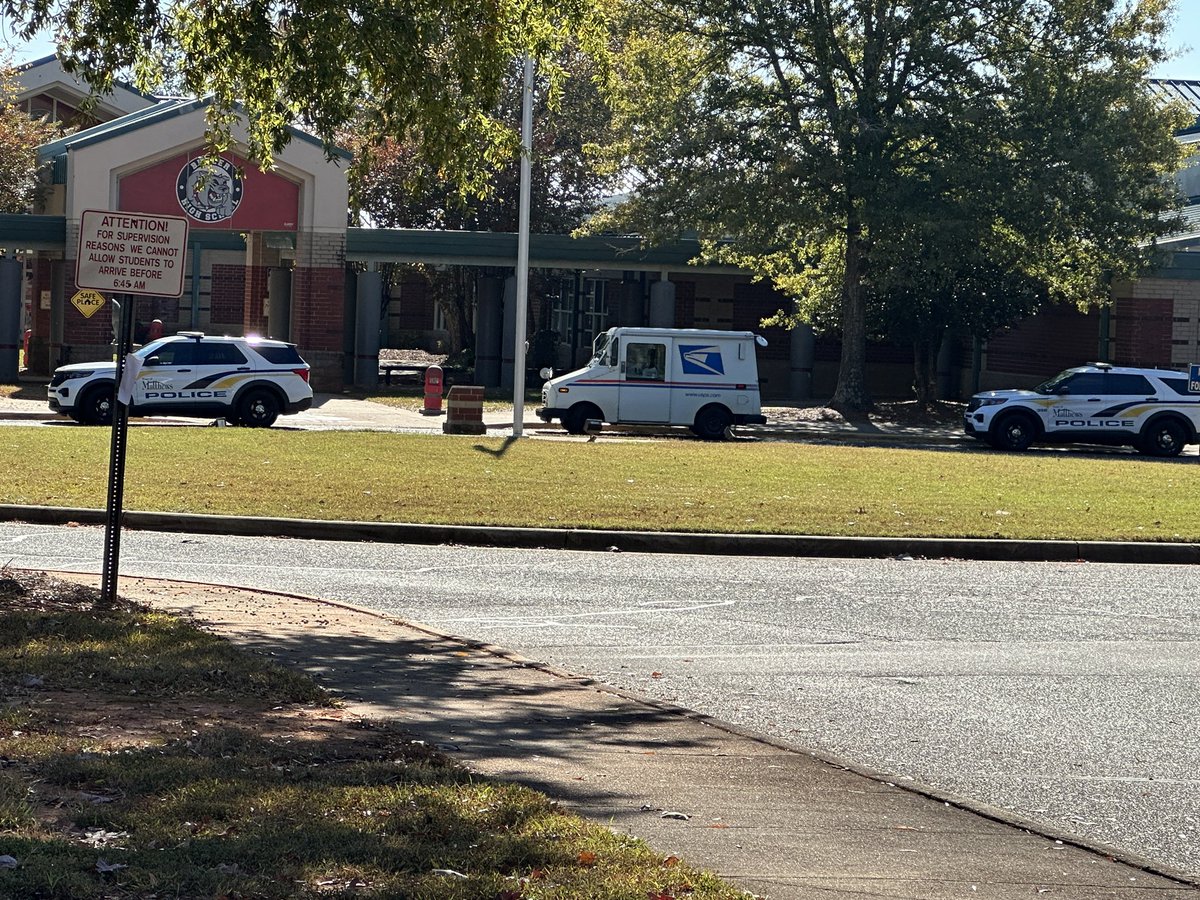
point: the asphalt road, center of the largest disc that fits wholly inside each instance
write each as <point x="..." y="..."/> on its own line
<point x="1068" y="693"/>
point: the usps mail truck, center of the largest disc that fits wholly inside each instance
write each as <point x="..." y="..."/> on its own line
<point x="705" y="380"/>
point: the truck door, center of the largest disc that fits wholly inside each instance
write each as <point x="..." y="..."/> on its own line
<point x="645" y="393"/>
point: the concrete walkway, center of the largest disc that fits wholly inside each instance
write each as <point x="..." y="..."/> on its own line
<point x="773" y="819"/>
<point x="338" y="412"/>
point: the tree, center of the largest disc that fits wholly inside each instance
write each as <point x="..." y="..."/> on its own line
<point x="20" y="136"/>
<point x="818" y="142"/>
<point x="394" y="189"/>
<point x="427" y="71"/>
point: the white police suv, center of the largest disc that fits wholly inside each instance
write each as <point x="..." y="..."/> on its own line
<point x="245" y="380"/>
<point x="1156" y="411"/>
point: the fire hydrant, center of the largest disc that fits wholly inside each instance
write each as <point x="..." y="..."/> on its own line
<point x="433" y="391"/>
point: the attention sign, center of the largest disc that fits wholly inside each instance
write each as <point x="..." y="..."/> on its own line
<point x="131" y="253"/>
<point x="88" y="302"/>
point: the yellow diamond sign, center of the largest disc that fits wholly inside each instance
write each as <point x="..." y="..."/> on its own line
<point x="88" y="302"/>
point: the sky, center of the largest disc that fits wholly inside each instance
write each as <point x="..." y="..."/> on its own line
<point x="1184" y="38"/>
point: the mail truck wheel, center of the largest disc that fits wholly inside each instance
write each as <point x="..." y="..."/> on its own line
<point x="1162" y="437"/>
<point x="95" y="407"/>
<point x="576" y="418"/>
<point x="258" y="409"/>
<point x="711" y="423"/>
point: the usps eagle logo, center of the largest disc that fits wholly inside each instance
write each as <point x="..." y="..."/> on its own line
<point x="209" y="193"/>
<point x="701" y="359"/>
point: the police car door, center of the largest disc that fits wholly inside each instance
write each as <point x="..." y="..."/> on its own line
<point x="163" y="375"/>
<point x="645" y="394"/>
<point x="187" y="373"/>
<point x="1091" y="404"/>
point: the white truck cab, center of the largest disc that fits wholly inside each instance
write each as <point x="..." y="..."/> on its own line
<point x="705" y="380"/>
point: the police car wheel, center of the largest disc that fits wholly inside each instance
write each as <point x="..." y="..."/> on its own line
<point x="1015" y="431"/>
<point x="95" y="407"/>
<point x="1165" y="437"/>
<point x="258" y="409"/>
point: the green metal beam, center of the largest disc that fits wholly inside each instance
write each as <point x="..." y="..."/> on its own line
<point x="24" y="232"/>
<point x="546" y="251"/>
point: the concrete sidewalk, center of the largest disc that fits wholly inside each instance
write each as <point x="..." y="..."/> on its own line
<point x="773" y="819"/>
<point x="336" y="412"/>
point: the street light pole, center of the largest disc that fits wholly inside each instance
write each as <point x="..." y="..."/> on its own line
<point x="523" y="251"/>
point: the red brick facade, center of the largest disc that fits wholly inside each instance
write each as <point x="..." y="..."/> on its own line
<point x="1143" y="330"/>
<point x="228" y="294"/>
<point x="1056" y="338"/>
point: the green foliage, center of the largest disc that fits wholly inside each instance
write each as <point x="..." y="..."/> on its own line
<point x="20" y="136"/>
<point x="426" y="70"/>
<point x="862" y="153"/>
<point x="394" y="188"/>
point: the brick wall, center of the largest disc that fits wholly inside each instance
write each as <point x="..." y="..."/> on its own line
<point x="412" y="303"/>
<point x="1058" y="337"/>
<point x="40" y="357"/>
<point x="227" y="294"/>
<point x="1143" y="329"/>
<point x="318" y="305"/>
<point x="254" y="299"/>
<point x="1156" y="321"/>
<point x="685" y="303"/>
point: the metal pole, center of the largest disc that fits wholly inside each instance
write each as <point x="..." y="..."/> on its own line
<point x="523" y="252"/>
<point x="110" y="566"/>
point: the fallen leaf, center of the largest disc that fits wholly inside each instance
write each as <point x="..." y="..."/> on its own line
<point x="449" y="873"/>
<point x="105" y="866"/>
<point x="587" y="858"/>
<point x="670" y="861"/>
<point x="671" y="814"/>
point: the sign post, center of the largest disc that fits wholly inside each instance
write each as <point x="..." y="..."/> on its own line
<point x="129" y="254"/>
<point x="110" y="564"/>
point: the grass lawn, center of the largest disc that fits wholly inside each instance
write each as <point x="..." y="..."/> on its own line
<point x="670" y="485"/>
<point x="144" y="758"/>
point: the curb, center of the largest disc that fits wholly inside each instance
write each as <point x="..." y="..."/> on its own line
<point x="982" y="549"/>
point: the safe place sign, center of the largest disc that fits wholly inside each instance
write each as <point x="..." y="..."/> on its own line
<point x="131" y="253"/>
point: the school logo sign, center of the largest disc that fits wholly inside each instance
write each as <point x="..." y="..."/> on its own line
<point x="209" y="193"/>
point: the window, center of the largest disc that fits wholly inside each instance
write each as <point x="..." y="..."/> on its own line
<point x="646" y="362"/>
<point x="1099" y="383"/>
<point x="176" y="353"/>
<point x="219" y="355"/>
<point x="1134" y="385"/>
<point x="280" y="356"/>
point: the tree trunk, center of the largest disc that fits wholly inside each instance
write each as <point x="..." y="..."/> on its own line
<point x="851" y="397"/>
<point x="452" y="293"/>
<point x="925" y="353"/>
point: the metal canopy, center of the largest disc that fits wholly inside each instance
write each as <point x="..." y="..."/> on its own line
<point x="546" y="251"/>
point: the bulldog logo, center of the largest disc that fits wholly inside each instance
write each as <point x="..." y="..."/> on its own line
<point x="209" y="193"/>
